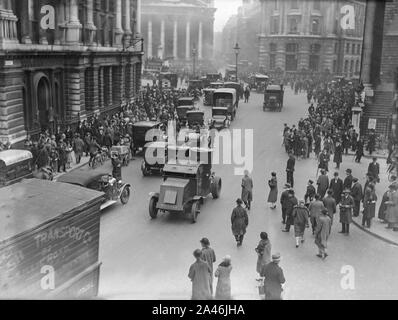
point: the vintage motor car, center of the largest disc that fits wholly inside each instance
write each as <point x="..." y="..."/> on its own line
<point x="155" y="158"/>
<point x="184" y="104"/>
<point x="259" y="82"/>
<point x="220" y="118"/>
<point x="123" y="152"/>
<point x="186" y="185"/>
<point x="140" y="129"/>
<point x="195" y="118"/>
<point x="226" y="98"/>
<point x="99" y="180"/>
<point x="209" y="91"/>
<point x="235" y="85"/>
<point x="15" y="165"/>
<point x="273" y="97"/>
<point x="195" y="85"/>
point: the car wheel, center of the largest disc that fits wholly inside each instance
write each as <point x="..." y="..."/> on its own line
<point x="145" y="171"/>
<point x="195" y="210"/>
<point x="216" y="188"/>
<point x="153" y="211"/>
<point x="125" y="196"/>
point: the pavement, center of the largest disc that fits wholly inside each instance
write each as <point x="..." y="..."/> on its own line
<point x="149" y="259"/>
<point x="74" y="165"/>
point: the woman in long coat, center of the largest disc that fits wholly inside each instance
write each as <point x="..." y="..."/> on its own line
<point x="392" y="208"/>
<point x="369" y="205"/>
<point x="263" y="252"/>
<point x="383" y="206"/>
<point x="223" y="272"/>
<point x="239" y="221"/>
<point x="273" y="192"/>
<point x="300" y="216"/>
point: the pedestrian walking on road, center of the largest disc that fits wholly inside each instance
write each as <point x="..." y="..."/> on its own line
<point x="273" y="192"/>
<point x="290" y="170"/>
<point x="374" y="169"/>
<point x="78" y="147"/>
<point x="284" y="201"/>
<point x="200" y="273"/>
<point x="263" y="250"/>
<point x="315" y="209"/>
<point x="338" y="154"/>
<point x="323" y="183"/>
<point x="330" y="204"/>
<point x="247" y="189"/>
<point x="346" y="205"/>
<point x="383" y="206"/>
<point x="209" y="256"/>
<point x="310" y="193"/>
<point x="300" y="216"/>
<point x="239" y="221"/>
<point x="357" y="195"/>
<point x="392" y="208"/>
<point x="324" y="159"/>
<point x="247" y="94"/>
<point x="359" y="151"/>
<point x="273" y="278"/>
<point x="223" y="273"/>
<point x="347" y="184"/>
<point x="291" y="203"/>
<point x="369" y="205"/>
<point x="322" y="233"/>
<point x="336" y="185"/>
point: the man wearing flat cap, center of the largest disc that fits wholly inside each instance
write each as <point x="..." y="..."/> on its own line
<point x="273" y="278"/>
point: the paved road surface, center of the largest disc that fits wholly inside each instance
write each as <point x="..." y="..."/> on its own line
<point x="149" y="259"/>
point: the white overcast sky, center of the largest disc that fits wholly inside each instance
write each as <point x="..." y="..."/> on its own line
<point x="225" y="9"/>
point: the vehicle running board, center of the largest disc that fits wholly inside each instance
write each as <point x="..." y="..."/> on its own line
<point x="107" y="204"/>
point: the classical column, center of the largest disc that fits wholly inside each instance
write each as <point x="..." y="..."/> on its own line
<point x="187" y="41"/>
<point x="175" y="40"/>
<point x="25" y="25"/>
<point x="162" y="40"/>
<point x="127" y="23"/>
<point x="138" y="18"/>
<point x="149" y="38"/>
<point x="8" y="22"/>
<point x="73" y="26"/>
<point x="200" y="41"/>
<point x="367" y="45"/>
<point x="90" y="21"/>
<point x="119" y="28"/>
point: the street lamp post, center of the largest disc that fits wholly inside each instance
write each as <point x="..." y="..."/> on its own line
<point x="236" y="48"/>
<point x="194" y="61"/>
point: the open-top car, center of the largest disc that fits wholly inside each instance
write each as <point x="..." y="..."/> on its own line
<point x="186" y="185"/>
<point x="99" y="180"/>
<point x="155" y="158"/>
<point x="220" y="118"/>
<point x="273" y="97"/>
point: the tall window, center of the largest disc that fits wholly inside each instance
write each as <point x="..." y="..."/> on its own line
<point x="353" y="48"/>
<point x="336" y="48"/>
<point x="315" y="26"/>
<point x="294" y="4"/>
<point x="275" y="4"/>
<point x="274" y="25"/>
<point x="357" y="66"/>
<point x="293" y="25"/>
<point x="317" y="4"/>
<point x="291" y="56"/>
<point x="359" y="49"/>
<point x="347" y="48"/>
<point x="272" y="56"/>
<point x="351" y="67"/>
<point x="334" y="66"/>
<point x="345" y="66"/>
<point x="315" y="51"/>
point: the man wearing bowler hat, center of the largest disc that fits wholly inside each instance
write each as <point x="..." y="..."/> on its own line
<point x="273" y="278"/>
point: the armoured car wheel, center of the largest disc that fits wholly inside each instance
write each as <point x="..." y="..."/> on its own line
<point x="216" y="188"/>
<point x="125" y="196"/>
<point x="195" y="210"/>
<point x="153" y="211"/>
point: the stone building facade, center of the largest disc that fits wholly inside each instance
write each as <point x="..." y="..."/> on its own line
<point x="62" y="61"/>
<point x="307" y="35"/>
<point x="172" y="29"/>
<point x="379" y="72"/>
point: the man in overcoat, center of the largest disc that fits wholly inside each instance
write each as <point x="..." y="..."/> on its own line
<point x="347" y="184"/>
<point x="291" y="203"/>
<point x="346" y="205"/>
<point x="290" y="170"/>
<point x="273" y="278"/>
<point x="284" y="201"/>
<point x="336" y="185"/>
<point x="357" y="195"/>
<point x="322" y="233"/>
<point x="200" y="273"/>
<point x="315" y="209"/>
<point x="310" y="192"/>
<point x="330" y="204"/>
<point x="300" y="216"/>
<point x="374" y="169"/>
<point x="209" y="256"/>
<point x="239" y="221"/>
<point x="323" y="183"/>
<point x="247" y="189"/>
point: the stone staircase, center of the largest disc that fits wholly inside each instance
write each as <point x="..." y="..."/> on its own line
<point x="380" y="109"/>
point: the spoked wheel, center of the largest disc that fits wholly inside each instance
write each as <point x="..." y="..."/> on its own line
<point x="195" y="210"/>
<point x="125" y="196"/>
<point x="153" y="211"/>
